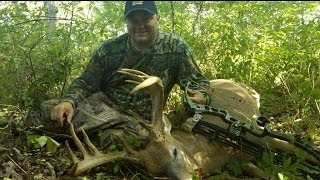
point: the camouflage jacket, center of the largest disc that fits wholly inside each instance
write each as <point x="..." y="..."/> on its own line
<point x="170" y="58"/>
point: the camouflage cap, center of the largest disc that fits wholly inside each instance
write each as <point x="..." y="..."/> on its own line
<point x="149" y="6"/>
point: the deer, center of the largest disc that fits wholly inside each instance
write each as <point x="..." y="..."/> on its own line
<point x="177" y="154"/>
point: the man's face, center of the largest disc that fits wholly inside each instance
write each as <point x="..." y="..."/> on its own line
<point x="142" y="27"/>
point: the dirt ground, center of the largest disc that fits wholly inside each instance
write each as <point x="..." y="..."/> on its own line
<point x="20" y="160"/>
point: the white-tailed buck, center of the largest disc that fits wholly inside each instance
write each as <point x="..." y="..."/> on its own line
<point x="179" y="153"/>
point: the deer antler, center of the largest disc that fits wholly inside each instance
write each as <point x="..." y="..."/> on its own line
<point x="154" y="85"/>
<point x="89" y="161"/>
<point x="157" y="129"/>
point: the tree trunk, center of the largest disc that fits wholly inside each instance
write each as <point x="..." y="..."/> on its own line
<point x="50" y="14"/>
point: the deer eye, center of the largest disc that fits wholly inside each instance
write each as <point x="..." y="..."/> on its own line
<point x="175" y="152"/>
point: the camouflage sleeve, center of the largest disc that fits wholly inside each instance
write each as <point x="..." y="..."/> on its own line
<point x="87" y="83"/>
<point x="191" y="74"/>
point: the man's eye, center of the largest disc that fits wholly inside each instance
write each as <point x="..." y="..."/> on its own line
<point x="136" y="21"/>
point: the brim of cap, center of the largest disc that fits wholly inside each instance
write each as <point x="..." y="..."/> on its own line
<point x="136" y="9"/>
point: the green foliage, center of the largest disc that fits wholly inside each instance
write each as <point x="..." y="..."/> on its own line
<point x="135" y="142"/>
<point x="287" y="170"/>
<point x="52" y="145"/>
<point x="38" y="142"/>
<point x="116" y="168"/>
<point x="219" y="174"/>
<point x="35" y="64"/>
<point x="267" y="164"/>
<point x="236" y="166"/>
<point x="271" y="46"/>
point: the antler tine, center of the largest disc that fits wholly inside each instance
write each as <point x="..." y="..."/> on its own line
<point x="132" y="72"/>
<point x="97" y="158"/>
<point x="150" y="84"/>
<point x="136" y="75"/>
<point x="73" y="157"/>
<point x="154" y="86"/>
<point x="143" y="80"/>
<point x="89" y="143"/>
<point x="133" y="82"/>
<point x="78" y="142"/>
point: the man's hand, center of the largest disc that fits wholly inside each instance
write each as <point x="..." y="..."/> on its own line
<point x="197" y="97"/>
<point x="61" y="112"/>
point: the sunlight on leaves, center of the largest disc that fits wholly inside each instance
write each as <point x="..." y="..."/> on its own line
<point x="52" y="145"/>
<point x="282" y="176"/>
<point x="37" y="141"/>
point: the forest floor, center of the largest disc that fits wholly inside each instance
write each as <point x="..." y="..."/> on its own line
<point x="19" y="159"/>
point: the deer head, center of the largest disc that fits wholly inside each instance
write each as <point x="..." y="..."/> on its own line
<point x="164" y="154"/>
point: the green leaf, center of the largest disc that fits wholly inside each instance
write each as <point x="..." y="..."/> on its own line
<point x="282" y="176"/>
<point x="52" y="145"/>
<point x="315" y="94"/>
<point x="42" y="140"/>
<point x="116" y="168"/>
<point x="286" y="163"/>
<point x="37" y="141"/>
<point x="32" y="140"/>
